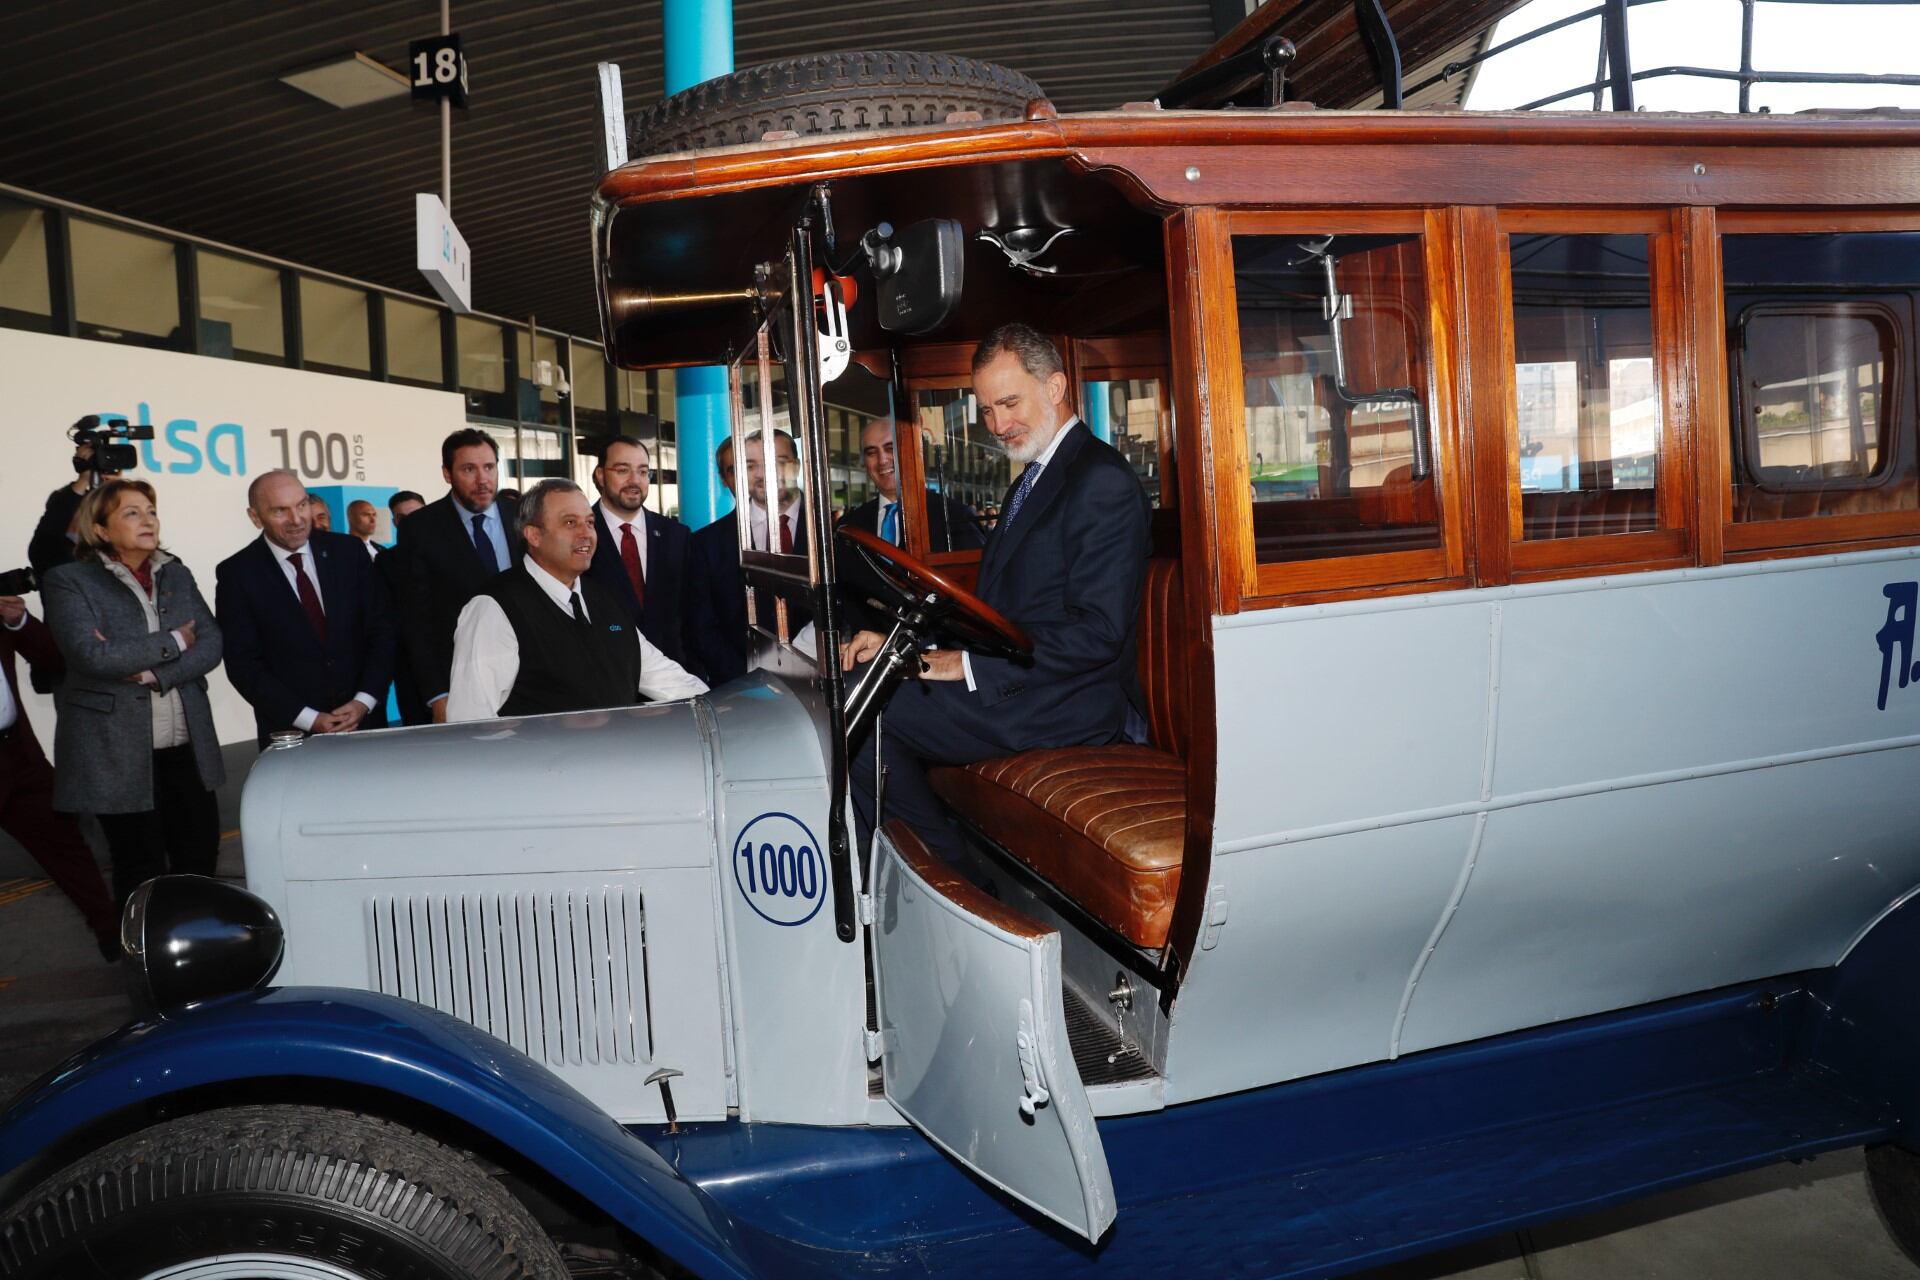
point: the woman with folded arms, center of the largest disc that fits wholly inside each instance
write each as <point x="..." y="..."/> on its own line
<point x="135" y="743"/>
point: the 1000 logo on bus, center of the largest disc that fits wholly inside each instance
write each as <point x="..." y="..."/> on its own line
<point x="780" y="870"/>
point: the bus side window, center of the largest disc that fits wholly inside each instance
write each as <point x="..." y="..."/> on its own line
<point x="1820" y="348"/>
<point x="1587" y="390"/>
<point x="1338" y="437"/>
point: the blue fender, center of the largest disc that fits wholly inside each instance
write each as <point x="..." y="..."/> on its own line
<point x="379" y="1042"/>
<point x="1867" y="1033"/>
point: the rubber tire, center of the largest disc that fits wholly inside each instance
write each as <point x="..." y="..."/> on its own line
<point x="1893" y="1175"/>
<point x="364" y="1194"/>
<point x="829" y="93"/>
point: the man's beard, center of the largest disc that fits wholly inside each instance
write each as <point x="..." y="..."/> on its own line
<point x="1032" y="447"/>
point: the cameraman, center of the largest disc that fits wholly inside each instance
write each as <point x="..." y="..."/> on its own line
<point x="26" y="781"/>
<point x="54" y="538"/>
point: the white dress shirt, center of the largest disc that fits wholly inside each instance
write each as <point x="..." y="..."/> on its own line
<point x="757" y="522"/>
<point x="304" y="721"/>
<point x="486" y="655"/>
<point x="611" y="525"/>
<point x="373" y="548"/>
<point x="1037" y="466"/>
<point x="10" y="709"/>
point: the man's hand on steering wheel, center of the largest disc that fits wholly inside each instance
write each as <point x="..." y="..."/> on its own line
<point x="935" y="664"/>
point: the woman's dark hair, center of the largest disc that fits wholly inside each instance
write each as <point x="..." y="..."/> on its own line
<point x="464" y="438"/>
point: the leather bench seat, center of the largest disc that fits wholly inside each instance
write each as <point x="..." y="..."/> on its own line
<point x="1104" y="825"/>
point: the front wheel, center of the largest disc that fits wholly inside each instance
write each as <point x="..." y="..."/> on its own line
<point x="279" y="1193"/>
<point x="1893" y="1175"/>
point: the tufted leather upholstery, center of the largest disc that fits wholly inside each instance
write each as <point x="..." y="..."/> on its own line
<point x="1104" y="825"/>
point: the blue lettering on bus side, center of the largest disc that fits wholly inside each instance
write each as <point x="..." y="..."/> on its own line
<point x="1897" y="633"/>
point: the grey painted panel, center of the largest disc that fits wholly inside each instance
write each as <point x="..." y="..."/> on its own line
<point x="1338" y="718"/>
<point x="1603" y="901"/>
<point x="798" y="993"/>
<point x="1677" y="674"/>
<point x="976" y="1052"/>
<point x="1311" y="964"/>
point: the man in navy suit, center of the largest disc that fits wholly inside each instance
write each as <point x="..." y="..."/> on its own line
<point x="641" y="556"/>
<point x="1066" y="562"/>
<point x="950" y="527"/>
<point x="718" y="592"/>
<point x="309" y="636"/>
<point x="450" y="549"/>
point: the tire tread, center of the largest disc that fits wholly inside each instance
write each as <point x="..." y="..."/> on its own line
<point x="363" y="1164"/>
<point x="829" y="93"/>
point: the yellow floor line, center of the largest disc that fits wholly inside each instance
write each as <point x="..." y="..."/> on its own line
<point x="228" y="835"/>
<point x="6" y="982"/>
<point x="12" y="891"/>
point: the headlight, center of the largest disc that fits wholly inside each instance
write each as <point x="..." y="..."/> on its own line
<point x="192" y="938"/>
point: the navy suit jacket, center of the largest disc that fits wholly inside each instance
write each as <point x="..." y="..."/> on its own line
<point x="1069" y="569"/>
<point x="718" y="599"/>
<point x="442" y="572"/>
<point x="273" y="656"/>
<point x="951" y="526"/>
<point x="663" y="620"/>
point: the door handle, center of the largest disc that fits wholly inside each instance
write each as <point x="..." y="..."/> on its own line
<point x="1033" y="1090"/>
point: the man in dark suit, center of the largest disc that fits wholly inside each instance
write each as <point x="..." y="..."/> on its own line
<point x="641" y="556"/>
<point x="718" y="612"/>
<point x="309" y="633"/>
<point x="26" y="781"/>
<point x="1066" y="563"/>
<point x="452" y="548"/>
<point x="950" y="527"/>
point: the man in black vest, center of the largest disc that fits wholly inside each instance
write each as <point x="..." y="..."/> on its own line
<point x="542" y="638"/>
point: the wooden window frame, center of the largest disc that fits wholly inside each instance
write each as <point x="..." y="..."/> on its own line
<point x="1671" y="543"/>
<point x="1134" y="357"/>
<point x="1242" y="579"/>
<point x="1805" y="535"/>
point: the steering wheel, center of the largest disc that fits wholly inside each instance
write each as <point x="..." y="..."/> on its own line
<point x="928" y="597"/>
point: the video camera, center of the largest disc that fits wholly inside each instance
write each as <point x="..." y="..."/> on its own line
<point x="101" y="434"/>
<point x="17" y="582"/>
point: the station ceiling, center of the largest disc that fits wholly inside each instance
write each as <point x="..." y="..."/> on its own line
<point x="173" y="113"/>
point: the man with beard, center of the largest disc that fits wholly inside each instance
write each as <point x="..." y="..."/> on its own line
<point x="1066" y="563"/>
<point x="641" y="555"/>
<point x="451" y="549"/>
<point x="543" y="638"/>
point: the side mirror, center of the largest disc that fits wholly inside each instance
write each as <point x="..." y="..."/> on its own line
<point x="918" y="272"/>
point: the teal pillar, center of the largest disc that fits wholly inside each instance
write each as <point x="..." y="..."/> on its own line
<point x="698" y="39"/>
<point x="1099" y="407"/>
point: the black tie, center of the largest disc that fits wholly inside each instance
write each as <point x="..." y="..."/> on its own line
<point x="483" y="545"/>
<point x="579" y="610"/>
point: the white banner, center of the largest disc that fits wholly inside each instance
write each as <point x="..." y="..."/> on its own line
<point x="217" y="423"/>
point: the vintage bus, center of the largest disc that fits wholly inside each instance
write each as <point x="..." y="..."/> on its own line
<point x="1525" y="822"/>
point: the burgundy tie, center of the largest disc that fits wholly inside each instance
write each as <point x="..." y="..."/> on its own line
<point x="630" y="557"/>
<point x="309" y="598"/>
<point x="786" y="535"/>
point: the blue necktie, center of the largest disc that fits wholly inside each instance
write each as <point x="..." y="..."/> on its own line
<point x="890" y="526"/>
<point x="1020" y="492"/>
<point x="484" y="545"/>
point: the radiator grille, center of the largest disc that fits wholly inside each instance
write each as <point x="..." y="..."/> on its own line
<point x="559" y="974"/>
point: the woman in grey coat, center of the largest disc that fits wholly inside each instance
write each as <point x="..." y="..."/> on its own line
<point x="135" y="742"/>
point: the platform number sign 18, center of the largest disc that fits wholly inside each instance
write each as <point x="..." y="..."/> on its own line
<point x="780" y="869"/>
<point x="439" y="69"/>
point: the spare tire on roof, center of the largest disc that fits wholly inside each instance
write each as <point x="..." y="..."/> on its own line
<point x="829" y="93"/>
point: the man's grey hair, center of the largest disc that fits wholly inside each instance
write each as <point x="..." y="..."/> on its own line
<point x="1038" y="356"/>
<point x="533" y="503"/>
